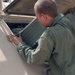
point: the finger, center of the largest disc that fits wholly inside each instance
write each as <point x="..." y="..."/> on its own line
<point x="12" y="35"/>
<point x="9" y="38"/>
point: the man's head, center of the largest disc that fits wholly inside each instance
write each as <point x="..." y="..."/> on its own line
<point x="45" y="11"/>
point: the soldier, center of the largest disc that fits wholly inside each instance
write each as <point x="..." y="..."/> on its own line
<point x="56" y="44"/>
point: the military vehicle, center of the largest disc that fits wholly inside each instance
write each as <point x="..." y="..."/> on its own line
<point x="20" y="14"/>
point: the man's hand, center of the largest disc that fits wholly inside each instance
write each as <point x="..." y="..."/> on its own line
<point x="14" y="39"/>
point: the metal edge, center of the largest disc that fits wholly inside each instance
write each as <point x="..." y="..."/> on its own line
<point x="6" y="10"/>
<point x="10" y="5"/>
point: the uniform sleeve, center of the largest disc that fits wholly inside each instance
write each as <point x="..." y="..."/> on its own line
<point x="40" y="54"/>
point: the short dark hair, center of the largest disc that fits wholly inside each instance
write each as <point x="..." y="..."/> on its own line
<point x="47" y="6"/>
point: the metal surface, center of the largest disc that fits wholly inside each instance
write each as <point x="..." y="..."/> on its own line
<point x="32" y="32"/>
<point x="23" y="7"/>
<point x="65" y="5"/>
<point x="0" y="6"/>
<point x="17" y="18"/>
<point x="10" y="61"/>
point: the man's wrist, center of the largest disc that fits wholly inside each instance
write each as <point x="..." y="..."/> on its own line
<point x="19" y="46"/>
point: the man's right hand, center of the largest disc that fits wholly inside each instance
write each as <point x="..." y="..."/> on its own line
<point x="14" y="39"/>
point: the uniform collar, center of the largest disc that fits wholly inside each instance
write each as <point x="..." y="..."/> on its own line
<point x="57" y="19"/>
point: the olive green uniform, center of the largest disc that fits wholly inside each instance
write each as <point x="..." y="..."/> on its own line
<point x="57" y="45"/>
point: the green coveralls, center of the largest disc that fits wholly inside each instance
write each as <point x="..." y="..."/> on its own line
<point x="57" y="45"/>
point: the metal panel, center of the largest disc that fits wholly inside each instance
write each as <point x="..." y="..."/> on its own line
<point x="65" y="5"/>
<point x="26" y="6"/>
<point x="32" y="32"/>
<point x="23" y="7"/>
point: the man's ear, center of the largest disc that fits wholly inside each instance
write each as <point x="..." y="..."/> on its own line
<point x="44" y="16"/>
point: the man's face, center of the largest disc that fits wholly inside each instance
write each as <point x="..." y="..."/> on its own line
<point x="44" y="19"/>
<point x="40" y="19"/>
